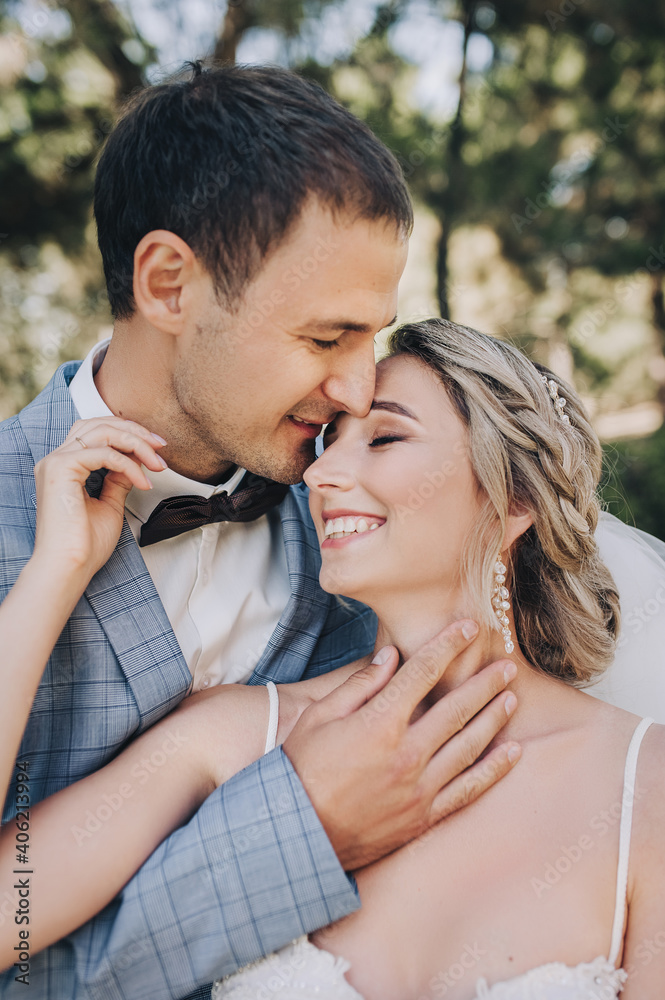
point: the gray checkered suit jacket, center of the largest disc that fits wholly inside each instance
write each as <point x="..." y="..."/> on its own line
<point x="253" y="869"/>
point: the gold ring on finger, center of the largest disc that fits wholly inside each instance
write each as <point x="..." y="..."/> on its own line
<point x="81" y="441"/>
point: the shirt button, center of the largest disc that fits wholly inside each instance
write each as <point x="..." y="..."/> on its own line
<point x="205" y="681"/>
<point x="205" y="577"/>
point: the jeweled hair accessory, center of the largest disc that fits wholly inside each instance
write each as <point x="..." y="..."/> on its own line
<point x="559" y="401"/>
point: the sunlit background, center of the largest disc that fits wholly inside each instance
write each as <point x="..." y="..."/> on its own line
<point x="531" y="133"/>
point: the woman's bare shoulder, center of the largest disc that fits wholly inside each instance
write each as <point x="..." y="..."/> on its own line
<point x="651" y="768"/>
<point x="647" y="853"/>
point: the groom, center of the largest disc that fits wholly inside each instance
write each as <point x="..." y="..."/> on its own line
<point x="253" y="234"/>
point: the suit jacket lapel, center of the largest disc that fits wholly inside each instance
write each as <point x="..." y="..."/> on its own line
<point x="289" y="648"/>
<point x="122" y="594"/>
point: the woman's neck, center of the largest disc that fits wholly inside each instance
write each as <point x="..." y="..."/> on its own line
<point x="416" y="619"/>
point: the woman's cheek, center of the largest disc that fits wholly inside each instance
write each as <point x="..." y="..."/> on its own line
<point x="420" y="492"/>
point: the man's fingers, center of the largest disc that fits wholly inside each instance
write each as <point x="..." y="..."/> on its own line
<point x="454" y="710"/>
<point x="470" y="785"/>
<point x="356" y="690"/>
<point x="464" y="749"/>
<point x="425" y="668"/>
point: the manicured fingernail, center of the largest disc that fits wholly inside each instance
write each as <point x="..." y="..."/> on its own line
<point x="509" y="672"/>
<point x="158" y="438"/>
<point x="161" y="461"/>
<point x="514" y="753"/>
<point x="382" y="656"/>
<point x="510" y="703"/>
<point x="469" y="629"/>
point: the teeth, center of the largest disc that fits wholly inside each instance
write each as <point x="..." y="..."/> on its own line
<point x="342" y="527"/>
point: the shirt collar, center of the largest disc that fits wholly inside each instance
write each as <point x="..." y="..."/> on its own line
<point x="165" y="484"/>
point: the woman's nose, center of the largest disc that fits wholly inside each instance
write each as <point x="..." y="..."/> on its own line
<point x="329" y="471"/>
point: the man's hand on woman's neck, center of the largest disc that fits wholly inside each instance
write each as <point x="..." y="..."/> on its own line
<point x="415" y="620"/>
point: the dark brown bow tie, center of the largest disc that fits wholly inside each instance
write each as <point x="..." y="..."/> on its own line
<point x="254" y="496"/>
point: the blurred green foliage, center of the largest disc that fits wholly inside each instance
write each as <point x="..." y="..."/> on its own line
<point x="62" y="72"/>
<point x="634" y="482"/>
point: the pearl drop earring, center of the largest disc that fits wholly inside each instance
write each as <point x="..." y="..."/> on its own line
<point x="501" y="603"/>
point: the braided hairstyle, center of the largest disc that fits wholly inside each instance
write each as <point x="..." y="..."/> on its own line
<point x="564" y="601"/>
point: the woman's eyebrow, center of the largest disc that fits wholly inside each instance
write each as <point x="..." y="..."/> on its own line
<point x="391" y="407"/>
<point x="378" y="404"/>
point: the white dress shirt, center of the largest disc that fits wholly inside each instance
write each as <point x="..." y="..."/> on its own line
<point x="224" y="586"/>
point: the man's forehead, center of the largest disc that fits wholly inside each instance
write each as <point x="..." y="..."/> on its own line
<point x="323" y="240"/>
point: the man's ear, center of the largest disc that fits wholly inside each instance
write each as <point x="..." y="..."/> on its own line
<point x="165" y="268"/>
<point x="518" y="521"/>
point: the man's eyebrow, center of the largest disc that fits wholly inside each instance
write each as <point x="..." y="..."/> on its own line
<point x="391" y="407"/>
<point x="337" y="325"/>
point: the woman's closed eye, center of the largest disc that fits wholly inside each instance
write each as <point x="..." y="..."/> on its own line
<point x="384" y="439"/>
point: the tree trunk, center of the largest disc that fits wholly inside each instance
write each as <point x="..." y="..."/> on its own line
<point x="240" y="16"/>
<point x="658" y="313"/>
<point x="453" y="196"/>
<point x="442" y="283"/>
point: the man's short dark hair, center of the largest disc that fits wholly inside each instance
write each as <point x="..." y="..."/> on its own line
<point x="226" y="160"/>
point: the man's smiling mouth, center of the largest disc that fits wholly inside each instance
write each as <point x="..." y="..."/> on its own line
<point x="307" y="427"/>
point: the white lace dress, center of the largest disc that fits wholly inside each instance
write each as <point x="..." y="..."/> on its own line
<point x="301" y="970"/>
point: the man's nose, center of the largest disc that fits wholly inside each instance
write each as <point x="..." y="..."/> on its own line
<point x="350" y="386"/>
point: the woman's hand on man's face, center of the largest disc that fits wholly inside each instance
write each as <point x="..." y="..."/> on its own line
<point x="76" y="533"/>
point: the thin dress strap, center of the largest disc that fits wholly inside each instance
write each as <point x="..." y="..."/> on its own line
<point x="624" y="838"/>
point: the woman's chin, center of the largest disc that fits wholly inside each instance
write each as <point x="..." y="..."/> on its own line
<point x="335" y="581"/>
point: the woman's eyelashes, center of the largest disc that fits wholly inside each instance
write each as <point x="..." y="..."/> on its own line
<point x="376" y="440"/>
<point x="384" y="439"/>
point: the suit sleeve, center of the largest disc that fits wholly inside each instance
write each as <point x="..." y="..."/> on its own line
<point x="251" y="871"/>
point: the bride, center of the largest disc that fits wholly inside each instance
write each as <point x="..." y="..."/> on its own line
<point x="469" y="490"/>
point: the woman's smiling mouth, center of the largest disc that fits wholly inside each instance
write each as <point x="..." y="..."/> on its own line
<point x="343" y="525"/>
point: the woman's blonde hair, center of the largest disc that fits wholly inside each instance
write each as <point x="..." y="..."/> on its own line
<point x="525" y="457"/>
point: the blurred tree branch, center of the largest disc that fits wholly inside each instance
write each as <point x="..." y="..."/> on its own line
<point x="453" y="196"/>
<point x="240" y="16"/>
<point x="102" y="29"/>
